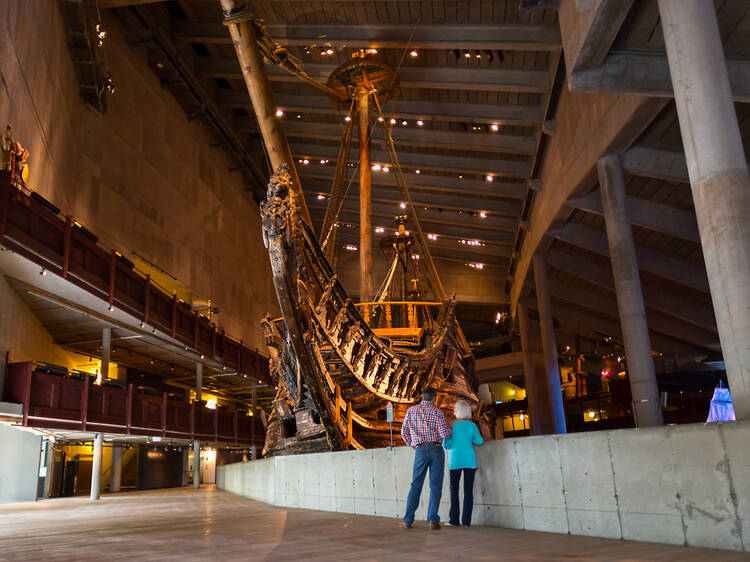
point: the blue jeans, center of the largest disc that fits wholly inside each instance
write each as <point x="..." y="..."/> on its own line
<point x="468" y="496"/>
<point x="432" y="457"/>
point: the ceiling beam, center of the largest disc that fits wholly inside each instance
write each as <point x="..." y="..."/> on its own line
<point x="403" y="137"/>
<point x="451" y="203"/>
<point x="459" y="112"/>
<point x="667" y="302"/>
<point x="647" y="214"/>
<point x="586" y="321"/>
<point x="657" y="163"/>
<point x="444" y="228"/>
<point x="447" y="245"/>
<point x="425" y="182"/>
<point x="502" y="37"/>
<point x="649" y="259"/>
<point x="648" y="75"/>
<point x="588" y="32"/>
<point x="458" y="165"/>
<point x="429" y="78"/>
<point x="656" y="322"/>
<point x="431" y="215"/>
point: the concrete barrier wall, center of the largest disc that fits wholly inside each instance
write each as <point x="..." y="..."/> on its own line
<point x="678" y="485"/>
<point x="19" y="464"/>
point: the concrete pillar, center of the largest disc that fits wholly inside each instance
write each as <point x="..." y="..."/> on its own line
<point x="96" y="467"/>
<point x="196" y="464"/>
<point x="199" y="381"/>
<point x="115" y="481"/>
<point x="106" y="347"/>
<point x="549" y="346"/>
<point x="529" y="375"/>
<point x="718" y="176"/>
<point x="365" y="203"/>
<point x="632" y="312"/>
<point x="185" y="462"/>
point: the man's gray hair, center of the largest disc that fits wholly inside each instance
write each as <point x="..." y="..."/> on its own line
<point x="429" y="394"/>
<point x="462" y="410"/>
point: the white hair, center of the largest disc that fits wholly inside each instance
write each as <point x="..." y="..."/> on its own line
<point x="462" y="410"/>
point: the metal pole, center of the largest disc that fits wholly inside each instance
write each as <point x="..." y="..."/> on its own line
<point x="198" y="382"/>
<point x="106" y="346"/>
<point x="258" y="86"/>
<point x="196" y="464"/>
<point x="365" y="202"/>
<point x="96" y="466"/>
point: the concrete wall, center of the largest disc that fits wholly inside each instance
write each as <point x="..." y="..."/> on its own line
<point x="24" y="336"/>
<point x="19" y="464"/>
<point x="141" y="176"/>
<point x="678" y="485"/>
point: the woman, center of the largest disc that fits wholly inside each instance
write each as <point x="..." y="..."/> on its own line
<point x="460" y="443"/>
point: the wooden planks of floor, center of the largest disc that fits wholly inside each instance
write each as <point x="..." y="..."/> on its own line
<point x="184" y="524"/>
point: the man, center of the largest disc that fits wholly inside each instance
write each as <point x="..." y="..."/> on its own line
<point x="424" y="429"/>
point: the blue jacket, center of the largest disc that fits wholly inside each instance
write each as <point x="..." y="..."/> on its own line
<point x="460" y="443"/>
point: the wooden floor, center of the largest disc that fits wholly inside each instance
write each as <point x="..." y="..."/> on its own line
<point x="182" y="524"/>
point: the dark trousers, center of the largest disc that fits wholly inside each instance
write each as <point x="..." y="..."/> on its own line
<point x="468" y="496"/>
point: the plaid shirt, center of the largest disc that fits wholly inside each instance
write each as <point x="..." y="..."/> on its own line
<point x="423" y="423"/>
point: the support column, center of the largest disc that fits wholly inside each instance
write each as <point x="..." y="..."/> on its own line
<point x="185" y="461"/>
<point x="254" y="453"/>
<point x="549" y="346"/>
<point x="96" y="467"/>
<point x="106" y="347"/>
<point x="198" y="382"/>
<point x="115" y="481"/>
<point x="365" y="203"/>
<point x="632" y="312"/>
<point x="718" y="176"/>
<point x="196" y="464"/>
<point x="529" y="376"/>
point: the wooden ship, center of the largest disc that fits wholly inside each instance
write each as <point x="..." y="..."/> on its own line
<point x="338" y="363"/>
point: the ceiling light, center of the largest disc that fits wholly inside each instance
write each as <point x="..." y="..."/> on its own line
<point x="489" y="178"/>
<point x="467" y="54"/>
<point x="386" y="169"/>
<point x="381" y="119"/>
<point x="402" y="205"/>
<point x="372" y="51"/>
<point x="279" y="113"/>
<point x="299" y="116"/>
<point x="393" y="121"/>
<point x="305" y="161"/>
<point x="43" y="272"/>
<point x="417" y="171"/>
<point x="347" y="118"/>
<point x="379" y="229"/>
<point x="482" y="215"/>
<point x="375" y="167"/>
<point x="420" y="123"/>
<point x="329" y="51"/>
<point x="324" y="161"/>
<point x="404" y="123"/>
<point x="477" y="54"/>
<point x="415" y="256"/>
<point x="320" y="197"/>
<point x="307" y="50"/>
<point x="432" y="236"/>
<point x="494" y="127"/>
<point x="350" y="247"/>
<point x="414" y="53"/>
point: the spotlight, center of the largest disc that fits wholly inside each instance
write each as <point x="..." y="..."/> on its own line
<point x="305" y="161"/>
<point x="375" y="167"/>
<point x="467" y="54"/>
<point x="404" y="123"/>
<point x="299" y="116"/>
<point x="110" y="308"/>
<point x="279" y="113"/>
<point x="386" y="169"/>
<point x="417" y="171"/>
<point x="393" y="121"/>
<point x="482" y="215"/>
<point x="380" y="119"/>
<point x="347" y="118"/>
<point x="414" y="53"/>
<point x="43" y="272"/>
<point x="402" y="205"/>
<point x="324" y="161"/>
<point x="372" y="51"/>
<point x="494" y="127"/>
<point x="329" y="51"/>
<point x="488" y="178"/>
<point x="379" y="229"/>
<point x="307" y="50"/>
<point x="420" y="123"/>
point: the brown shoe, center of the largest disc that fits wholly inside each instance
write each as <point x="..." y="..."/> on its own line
<point x="434" y="526"/>
<point x="405" y="525"/>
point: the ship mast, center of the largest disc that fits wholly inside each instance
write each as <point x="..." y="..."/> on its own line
<point x="245" y="38"/>
<point x="365" y="198"/>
